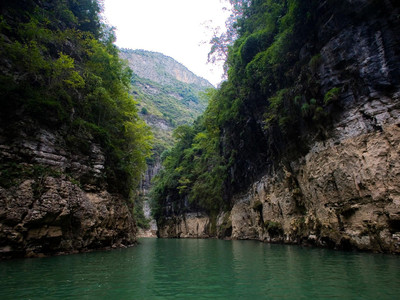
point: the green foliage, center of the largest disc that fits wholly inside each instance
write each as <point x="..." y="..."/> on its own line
<point x="275" y="105"/>
<point x="305" y="110"/>
<point x="315" y="62"/>
<point x="331" y="96"/>
<point x="312" y="110"/>
<point x="253" y="44"/>
<point x="257" y="206"/>
<point x="194" y="171"/>
<point x="273" y="228"/>
<point x="172" y="104"/>
<point x="144" y="111"/>
<point x="61" y="69"/>
<point x="140" y="218"/>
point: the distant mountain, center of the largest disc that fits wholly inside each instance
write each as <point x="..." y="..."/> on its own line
<point x="161" y="68"/>
<point x="169" y="94"/>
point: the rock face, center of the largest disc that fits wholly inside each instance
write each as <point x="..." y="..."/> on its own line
<point x="58" y="202"/>
<point x="343" y="195"/>
<point x="191" y="225"/>
<point x="62" y="219"/>
<point x="160" y="68"/>
<point x="152" y="169"/>
<point x="152" y="230"/>
<point x="344" y="192"/>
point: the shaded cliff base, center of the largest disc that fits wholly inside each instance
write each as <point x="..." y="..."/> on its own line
<point x="56" y="216"/>
<point x="146" y="233"/>
<point x="344" y="194"/>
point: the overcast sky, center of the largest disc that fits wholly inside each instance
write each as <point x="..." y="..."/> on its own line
<point x="176" y="28"/>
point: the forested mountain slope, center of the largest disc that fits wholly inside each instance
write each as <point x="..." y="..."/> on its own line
<point x="301" y="143"/>
<point x="170" y="94"/>
<point x="72" y="145"/>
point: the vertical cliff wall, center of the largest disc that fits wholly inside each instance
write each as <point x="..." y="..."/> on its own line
<point x="344" y="192"/>
<point x="340" y="189"/>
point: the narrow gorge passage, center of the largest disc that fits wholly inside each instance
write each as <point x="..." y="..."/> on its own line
<point x="130" y="170"/>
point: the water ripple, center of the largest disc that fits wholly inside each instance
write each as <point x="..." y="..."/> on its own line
<point x="204" y="269"/>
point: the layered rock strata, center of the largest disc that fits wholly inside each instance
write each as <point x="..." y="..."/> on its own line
<point x="343" y="194"/>
<point x="58" y="202"/>
<point x="191" y="225"/>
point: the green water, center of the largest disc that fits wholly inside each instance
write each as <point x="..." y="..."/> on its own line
<point x="204" y="269"/>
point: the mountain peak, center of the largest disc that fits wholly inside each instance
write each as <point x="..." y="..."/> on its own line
<point x="160" y="68"/>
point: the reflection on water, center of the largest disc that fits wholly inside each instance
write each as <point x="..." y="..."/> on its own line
<point x="204" y="269"/>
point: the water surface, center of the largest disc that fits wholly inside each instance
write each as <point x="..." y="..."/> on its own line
<point x="204" y="269"/>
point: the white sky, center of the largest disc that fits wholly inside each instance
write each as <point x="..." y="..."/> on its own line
<point x="173" y="27"/>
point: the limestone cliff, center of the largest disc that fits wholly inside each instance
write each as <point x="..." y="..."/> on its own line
<point x="190" y="225"/>
<point x="343" y="190"/>
<point x="58" y="202"/>
<point x="343" y="194"/>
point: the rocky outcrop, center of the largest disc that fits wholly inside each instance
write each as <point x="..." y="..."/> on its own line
<point x="143" y="201"/>
<point x="160" y="68"/>
<point x="343" y="195"/>
<point x="191" y="225"/>
<point x="61" y="218"/>
<point x="152" y="169"/>
<point x="53" y="198"/>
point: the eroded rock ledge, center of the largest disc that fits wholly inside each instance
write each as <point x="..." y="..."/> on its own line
<point x="56" y="200"/>
<point x="62" y="219"/>
<point x="191" y="225"/>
